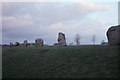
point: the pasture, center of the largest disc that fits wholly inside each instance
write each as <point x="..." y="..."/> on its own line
<point x="84" y="61"/>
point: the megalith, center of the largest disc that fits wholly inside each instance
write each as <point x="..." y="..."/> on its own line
<point x="39" y="42"/>
<point x="17" y="43"/>
<point x="61" y="39"/>
<point x="25" y="43"/>
<point x="113" y="35"/>
<point x="11" y="44"/>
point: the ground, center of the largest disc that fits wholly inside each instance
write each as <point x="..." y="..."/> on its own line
<point x="84" y="61"/>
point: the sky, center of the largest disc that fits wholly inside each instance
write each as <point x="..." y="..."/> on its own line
<point x="31" y="20"/>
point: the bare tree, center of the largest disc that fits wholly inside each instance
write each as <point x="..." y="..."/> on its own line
<point x="77" y="39"/>
<point x="93" y="39"/>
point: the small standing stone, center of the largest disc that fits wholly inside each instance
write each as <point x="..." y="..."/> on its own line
<point x="39" y="42"/>
<point x="11" y="44"/>
<point x="25" y="43"/>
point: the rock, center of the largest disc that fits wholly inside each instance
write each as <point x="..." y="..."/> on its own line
<point x="25" y="43"/>
<point x="39" y="42"/>
<point x="113" y="35"/>
<point x="11" y="44"/>
<point x="17" y="43"/>
<point x="61" y="39"/>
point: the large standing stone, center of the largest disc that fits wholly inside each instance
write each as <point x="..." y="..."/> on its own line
<point x="61" y="39"/>
<point x="25" y="43"/>
<point x="113" y="35"/>
<point x="39" y="42"/>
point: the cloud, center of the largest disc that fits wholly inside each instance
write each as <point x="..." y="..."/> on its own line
<point x="17" y="28"/>
<point x="52" y="14"/>
<point x="14" y="8"/>
<point x="17" y="21"/>
<point x="49" y="13"/>
<point x="91" y="6"/>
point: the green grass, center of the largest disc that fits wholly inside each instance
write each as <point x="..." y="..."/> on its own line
<point x="86" y="61"/>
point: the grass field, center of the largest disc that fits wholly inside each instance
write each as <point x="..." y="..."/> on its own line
<point x="85" y="61"/>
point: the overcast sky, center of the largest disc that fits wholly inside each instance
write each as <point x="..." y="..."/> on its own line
<point x="31" y="20"/>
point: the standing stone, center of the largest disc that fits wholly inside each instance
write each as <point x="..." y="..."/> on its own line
<point x="113" y="35"/>
<point x="17" y="43"/>
<point x="11" y="44"/>
<point x="25" y="43"/>
<point x="61" y="39"/>
<point x="39" y="42"/>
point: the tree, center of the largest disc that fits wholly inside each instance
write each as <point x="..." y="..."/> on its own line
<point x="77" y="39"/>
<point x="93" y="39"/>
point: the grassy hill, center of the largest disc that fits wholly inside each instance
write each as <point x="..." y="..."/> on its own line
<point x="85" y="61"/>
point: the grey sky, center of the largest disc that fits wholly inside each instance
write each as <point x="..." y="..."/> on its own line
<point x="30" y="20"/>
